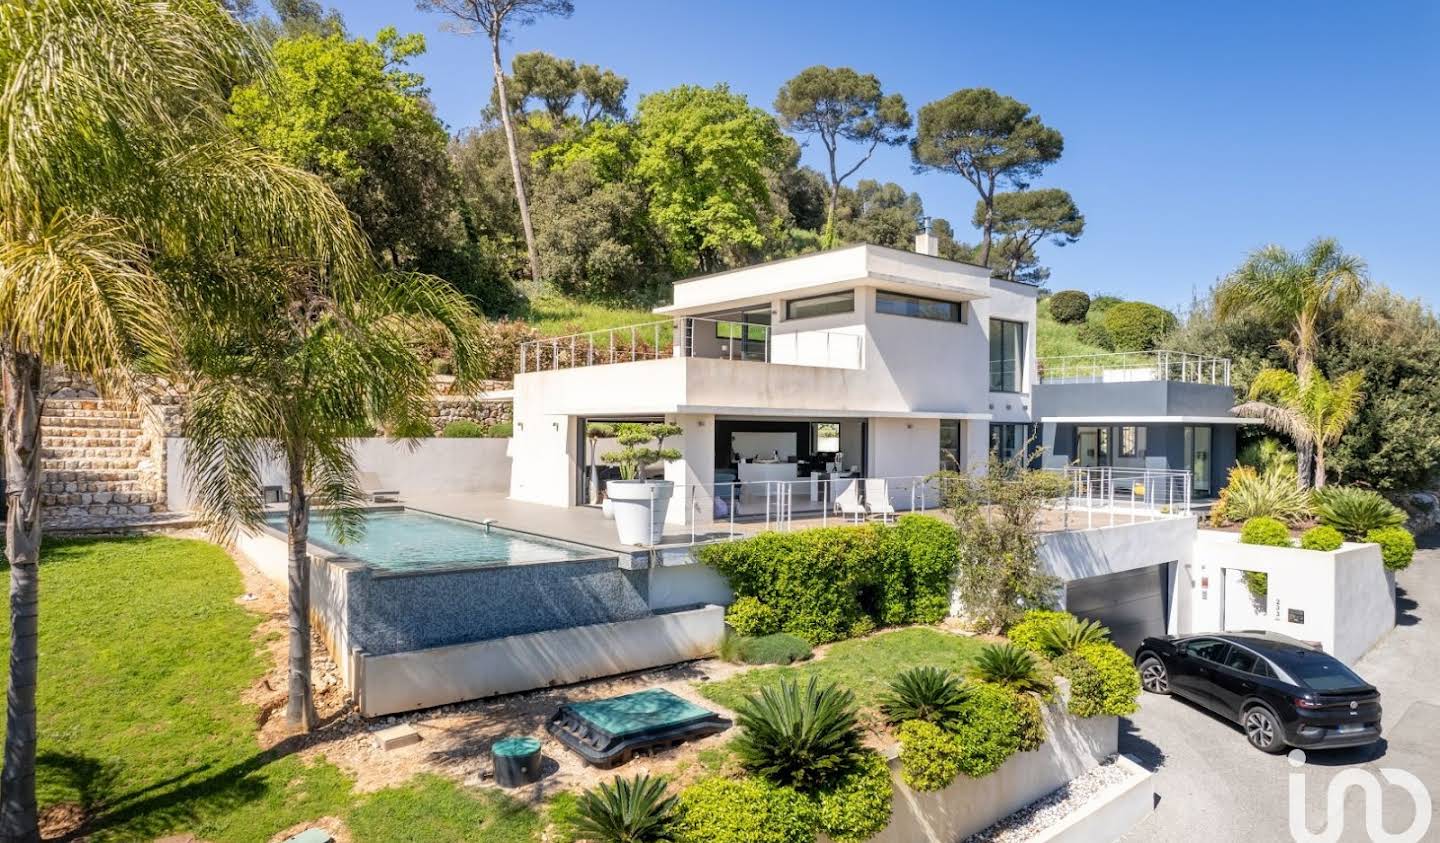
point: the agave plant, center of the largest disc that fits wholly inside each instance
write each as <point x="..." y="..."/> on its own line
<point x="931" y="694"/>
<point x="628" y="810"/>
<point x="804" y="737"/>
<point x="1072" y="633"/>
<point x="1355" y="512"/>
<point x="1010" y="666"/>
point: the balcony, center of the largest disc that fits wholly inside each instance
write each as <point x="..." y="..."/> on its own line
<point x="1135" y="367"/>
<point x="695" y="337"/>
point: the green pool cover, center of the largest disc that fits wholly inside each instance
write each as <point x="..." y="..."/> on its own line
<point x="607" y="732"/>
<point x="641" y="711"/>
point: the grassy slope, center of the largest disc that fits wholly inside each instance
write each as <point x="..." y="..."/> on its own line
<point x="864" y="665"/>
<point x="144" y="655"/>
<point x="1057" y="340"/>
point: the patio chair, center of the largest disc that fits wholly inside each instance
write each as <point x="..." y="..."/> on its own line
<point x="373" y="491"/>
<point x="847" y="502"/>
<point x="877" y="499"/>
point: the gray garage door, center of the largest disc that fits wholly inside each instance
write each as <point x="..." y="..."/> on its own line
<point x="1133" y="604"/>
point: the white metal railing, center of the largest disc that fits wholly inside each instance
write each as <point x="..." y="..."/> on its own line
<point x="693" y="336"/>
<point x="1130" y="366"/>
<point x="1109" y="491"/>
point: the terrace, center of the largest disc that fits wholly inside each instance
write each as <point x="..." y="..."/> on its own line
<point x="1135" y="366"/>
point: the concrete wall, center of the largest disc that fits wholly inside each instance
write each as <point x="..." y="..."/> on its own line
<point x="426" y="678"/>
<point x="1141" y="398"/>
<point x="1072" y="747"/>
<point x="421" y="466"/>
<point x="1111" y="813"/>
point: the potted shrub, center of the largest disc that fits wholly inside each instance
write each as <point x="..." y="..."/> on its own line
<point x="594" y="432"/>
<point x="639" y="504"/>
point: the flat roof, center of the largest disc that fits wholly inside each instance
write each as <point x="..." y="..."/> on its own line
<point x="1147" y="420"/>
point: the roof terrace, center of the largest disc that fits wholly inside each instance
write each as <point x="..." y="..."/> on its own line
<point x="1135" y="367"/>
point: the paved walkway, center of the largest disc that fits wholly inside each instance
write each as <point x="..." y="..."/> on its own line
<point x="1212" y="786"/>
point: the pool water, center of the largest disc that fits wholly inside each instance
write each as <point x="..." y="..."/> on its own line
<point x="413" y="542"/>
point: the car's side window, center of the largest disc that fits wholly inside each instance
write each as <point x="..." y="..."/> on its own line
<point x="1208" y="649"/>
<point x="1262" y="668"/>
<point x="1241" y="660"/>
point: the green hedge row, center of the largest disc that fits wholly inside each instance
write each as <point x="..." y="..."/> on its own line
<point x="994" y="724"/>
<point x="1103" y="679"/>
<point x="831" y="583"/>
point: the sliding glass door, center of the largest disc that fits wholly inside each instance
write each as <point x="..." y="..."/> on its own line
<point x="1197" y="457"/>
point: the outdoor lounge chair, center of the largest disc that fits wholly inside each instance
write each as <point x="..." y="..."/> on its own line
<point x="847" y="502"/>
<point x="373" y="491"/>
<point x="877" y="499"/>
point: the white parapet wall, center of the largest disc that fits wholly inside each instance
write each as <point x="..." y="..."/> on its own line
<point x="1072" y="746"/>
<point x="1110" y="814"/>
<point x="441" y="675"/>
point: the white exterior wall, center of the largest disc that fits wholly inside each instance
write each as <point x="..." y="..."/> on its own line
<point x="904" y="447"/>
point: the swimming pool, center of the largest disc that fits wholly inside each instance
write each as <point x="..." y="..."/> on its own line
<point x="407" y="542"/>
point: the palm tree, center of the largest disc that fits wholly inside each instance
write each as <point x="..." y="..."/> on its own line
<point x="116" y="163"/>
<point x="1305" y="290"/>
<point x="287" y="373"/>
<point x="1311" y="410"/>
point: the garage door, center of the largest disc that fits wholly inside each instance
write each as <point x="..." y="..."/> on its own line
<point x="1134" y="604"/>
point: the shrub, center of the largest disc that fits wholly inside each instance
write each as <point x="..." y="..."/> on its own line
<point x="1266" y="453"/>
<point x="1137" y="325"/>
<point x="1270" y="494"/>
<point x="1072" y="633"/>
<point x="1069" y="306"/>
<point x="627" y="810"/>
<point x="1354" y="511"/>
<point x="1031" y="631"/>
<point x="463" y="429"/>
<point x="1094" y="333"/>
<point x="919" y="555"/>
<point x="1266" y="531"/>
<point x="1397" y="546"/>
<point x="748" y="616"/>
<point x="1030" y="725"/>
<point x="858" y="806"/>
<point x="1103" y="680"/>
<point x="1010" y="666"/>
<point x="744" y="810"/>
<point x="1103" y="302"/>
<point x="501" y="430"/>
<point x="804" y="737"/>
<point x="863" y="626"/>
<point x="930" y="694"/>
<point x="1257" y="583"/>
<point x="995" y="723"/>
<point x="1321" y="538"/>
<point x="929" y="756"/>
<point x="780" y="648"/>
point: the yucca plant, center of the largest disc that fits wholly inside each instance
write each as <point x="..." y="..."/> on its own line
<point x="1354" y="511"/>
<point x="805" y="737"/>
<point x="1272" y="493"/>
<point x="1072" y="633"/>
<point x="931" y="694"/>
<point x="1010" y="666"/>
<point x="627" y="810"/>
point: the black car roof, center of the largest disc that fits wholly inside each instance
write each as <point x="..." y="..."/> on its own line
<point x="1271" y="644"/>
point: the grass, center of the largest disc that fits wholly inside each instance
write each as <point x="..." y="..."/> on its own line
<point x="144" y="656"/>
<point x="1054" y="339"/>
<point x="558" y="316"/>
<point x="864" y="665"/>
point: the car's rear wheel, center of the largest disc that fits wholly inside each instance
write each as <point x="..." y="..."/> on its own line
<point x="1153" y="676"/>
<point x="1262" y="729"/>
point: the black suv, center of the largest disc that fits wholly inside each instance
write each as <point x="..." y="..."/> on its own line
<point x="1282" y="692"/>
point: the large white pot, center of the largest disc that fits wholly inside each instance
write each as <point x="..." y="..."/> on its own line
<point x="639" y="507"/>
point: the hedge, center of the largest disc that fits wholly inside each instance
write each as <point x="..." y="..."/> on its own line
<point x="1029" y="632"/>
<point x="858" y="807"/>
<point x="1397" y="546"/>
<point x="748" y="616"/>
<point x="1069" y="306"/>
<point x="744" y="810"/>
<point x="1265" y="531"/>
<point x="1321" y="538"/>
<point x="463" y="429"/>
<point x="929" y="756"/>
<point x="1094" y="333"/>
<point x="994" y="724"/>
<point x="1137" y="325"/>
<point x="830" y="583"/>
<point x="1103" y="680"/>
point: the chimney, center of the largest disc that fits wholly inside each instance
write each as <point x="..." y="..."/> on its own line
<point x="927" y="244"/>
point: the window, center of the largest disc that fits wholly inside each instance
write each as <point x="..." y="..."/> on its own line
<point x="896" y="304"/>
<point x="950" y="445"/>
<point x="1007" y="440"/>
<point x="1322" y="672"/>
<point x="741" y="331"/>
<point x="1007" y="355"/>
<point x="827" y="437"/>
<point x="1208" y="649"/>
<point x="820" y="305"/>
<point x="1132" y="441"/>
<point x="1241" y="660"/>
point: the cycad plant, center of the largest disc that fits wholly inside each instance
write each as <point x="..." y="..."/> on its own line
<point x="627" y="810"/>
<point x="117" y="165"/>
<point x="1355" y="512"/>
<point x="931" y="694"/>
<point x="802" y="736"/>
<point x="1010" y="666"/>
<point x="1072" y="633"/>
<point x="1311" y="409"/>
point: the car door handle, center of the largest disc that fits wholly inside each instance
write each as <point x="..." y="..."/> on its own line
<point x="1248" y="686"/>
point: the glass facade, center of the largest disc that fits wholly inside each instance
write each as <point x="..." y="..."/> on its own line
<point x="1007" y="440"/>
<point x="1007" y="355"/>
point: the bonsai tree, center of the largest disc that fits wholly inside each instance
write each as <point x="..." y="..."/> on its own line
<point x="635" y="452"/>
<point x="594" y="432"/>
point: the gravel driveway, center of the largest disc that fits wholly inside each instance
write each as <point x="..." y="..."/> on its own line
<point x="1211" y="786"/>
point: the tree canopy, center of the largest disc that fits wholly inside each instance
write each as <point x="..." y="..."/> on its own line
<point x="1025" y="218"/>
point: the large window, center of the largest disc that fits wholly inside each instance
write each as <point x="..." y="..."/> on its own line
<point x="820" y="305"/>
<point x="1007" y="440"/>
<point x="950" y="445"/>
<point x="896" y="304"/>
<point x="1132" y="441"/>
<point x="1007" y="355"/>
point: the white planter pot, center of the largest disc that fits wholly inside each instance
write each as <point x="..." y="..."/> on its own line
<point x="606" y="510"/>
<point x="639" y="507"/>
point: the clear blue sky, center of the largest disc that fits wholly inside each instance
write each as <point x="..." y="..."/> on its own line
<point x="1193" y="132"/>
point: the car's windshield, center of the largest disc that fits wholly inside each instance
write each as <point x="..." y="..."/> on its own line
<point x="1322" y="673"/>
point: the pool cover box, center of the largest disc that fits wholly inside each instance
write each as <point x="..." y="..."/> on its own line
<point x="610" y="731"/>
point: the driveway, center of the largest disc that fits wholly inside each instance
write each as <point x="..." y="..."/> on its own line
<point x="1211" y="786"/>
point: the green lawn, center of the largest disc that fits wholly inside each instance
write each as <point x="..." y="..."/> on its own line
<point x="864" y="665"/>
<point x="1056" y="340"/>
<point x="144" y="654"/>
<point x="557" y="316"/>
